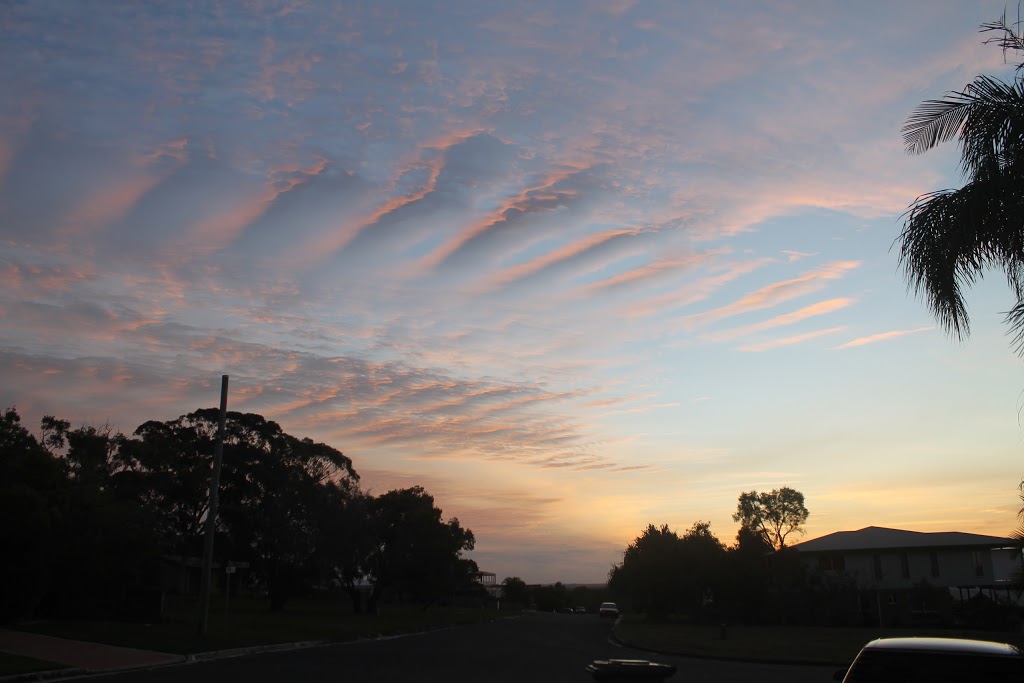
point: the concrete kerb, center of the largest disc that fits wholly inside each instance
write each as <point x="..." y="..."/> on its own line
<point x="254" y="650"/>
<point x="699" y="655"/>
<point x="47" y="675"/>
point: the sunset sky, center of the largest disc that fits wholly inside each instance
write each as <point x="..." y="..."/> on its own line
<point x="574" y="267"/>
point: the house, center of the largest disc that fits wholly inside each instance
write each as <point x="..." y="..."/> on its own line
<point x="489" y="581"/>
<point x="894" y="573"/>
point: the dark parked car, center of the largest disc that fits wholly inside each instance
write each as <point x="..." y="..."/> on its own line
<point x="936" y="660"/>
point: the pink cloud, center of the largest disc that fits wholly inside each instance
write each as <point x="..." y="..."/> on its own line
<point x="788" y="341"/>
<point x="322" y="248"/>
<point x="544" y="192"/>
<point x="224" y="226"/>
<point x="658" y="267"/>
<point x="700" y="290"/>
<point x="882" y="336"/>
<point x="820" y="308"/>
<point x="524" y="270"/>
<point x="108" y="205"/>
<point x="774" y="294"/>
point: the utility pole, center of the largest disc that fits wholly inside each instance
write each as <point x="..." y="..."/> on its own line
<point x="211" y="514"/>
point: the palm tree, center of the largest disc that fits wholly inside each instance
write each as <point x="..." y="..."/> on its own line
<point x="951" y="237"/>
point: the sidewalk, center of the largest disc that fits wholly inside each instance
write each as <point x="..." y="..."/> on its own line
<point x="77" y="654"/>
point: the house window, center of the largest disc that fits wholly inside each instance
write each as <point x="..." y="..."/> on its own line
<point x="832" y="563"/>
<point x="934" y="557"/>
<point x="979" y="566"/>
<point x="877" y="566"/>
<point x="904" y="565"/>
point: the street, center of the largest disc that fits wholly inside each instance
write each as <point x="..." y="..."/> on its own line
<point x="534" y="648"/>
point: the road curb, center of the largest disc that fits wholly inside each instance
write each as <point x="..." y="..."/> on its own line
<point x="697" y="655"/>
<point x="45" y="675"/>
<point x="197" y="657"/>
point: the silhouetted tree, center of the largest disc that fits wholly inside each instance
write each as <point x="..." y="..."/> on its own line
<point x="282" y="497"/>
<point x="551" y="597"/>
<point x="773" y="515"/>
<point x="662" y="572"/>
<point x="103" y="546"/>
<point x="90" y="511"/>
<point x="951" y="237"/>
<point x="167" y="466"/>
<point x="646" y="578"/>
<point x="701" y="566"/>
<point x="416" y="552"/>
<point x="32" y="483"/>
<point x="514" y="589"/>
<point x="346" y="539"/>
<point x="747" y="575"/>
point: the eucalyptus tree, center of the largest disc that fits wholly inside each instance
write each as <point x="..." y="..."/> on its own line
<point x="772" y="515"/>
<point x="416" y="553"/>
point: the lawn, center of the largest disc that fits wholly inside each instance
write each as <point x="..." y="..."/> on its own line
<point x="249" y="623"/>
<point x="837" y="646"/>
<point x="11" y="665"/>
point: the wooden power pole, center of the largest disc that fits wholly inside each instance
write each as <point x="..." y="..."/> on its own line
<point x="211" y="514"/>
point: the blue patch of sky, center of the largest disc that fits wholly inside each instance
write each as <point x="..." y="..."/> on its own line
<point x="823" y="232"/>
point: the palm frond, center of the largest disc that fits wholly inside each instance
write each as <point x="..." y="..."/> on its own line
<point x="1015" y="320"/>
<point x="992" y="134"/>
<point x="934" y="122"/>
<point x="951" y="237"/>
<point x="988" y="116"/>
<point x="1009" y="38"/>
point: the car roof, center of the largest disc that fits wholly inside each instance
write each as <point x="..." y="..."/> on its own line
<point x="950" y="645"/>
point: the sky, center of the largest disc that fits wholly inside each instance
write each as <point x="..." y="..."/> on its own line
<point x="574" y="267"/>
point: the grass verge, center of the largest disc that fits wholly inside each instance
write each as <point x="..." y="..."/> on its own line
<point x="831" y="646"/>
<point x="12" y="665"/>
<point x="249" y="623"/>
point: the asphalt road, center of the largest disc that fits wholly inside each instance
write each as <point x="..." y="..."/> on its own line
<point x="534" y="648"/>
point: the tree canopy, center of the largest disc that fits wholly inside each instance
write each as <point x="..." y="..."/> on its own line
<point x="662" y="572"/>
<point x="773" y="515"/>
<point x="415" y="551"/>
<point x="514" y="589"/>
<point x="93" y="513"/>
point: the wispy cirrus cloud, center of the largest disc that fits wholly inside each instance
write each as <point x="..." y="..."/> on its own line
<point x="773" y="294"/>
<point x="716" y="275"/>
<point x="789" y="341"/>
<point x="512" y="223"/>
<point x="883" y="336"/>
<point x="794" y="255"/>
<point x="564" y="253"/>
<point x="814" y="310"/>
